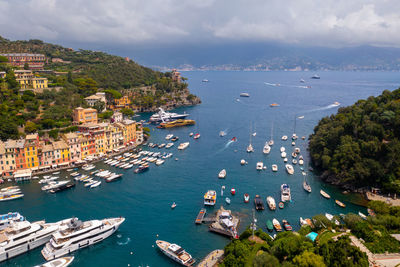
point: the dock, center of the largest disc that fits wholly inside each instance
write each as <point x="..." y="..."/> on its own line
<point x="200" y="216"/>
<point x="212" y="259"/>
<point x="225" y="223"/>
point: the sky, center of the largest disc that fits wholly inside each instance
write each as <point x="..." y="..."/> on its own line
<point x="150" y="22"/>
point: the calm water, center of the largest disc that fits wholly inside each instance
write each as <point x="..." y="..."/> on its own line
<point x="145" y="199"/>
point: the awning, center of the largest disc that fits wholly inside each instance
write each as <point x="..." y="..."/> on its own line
<point x="35" y="168"/>
<point x="63" y="164"/>
<point x="22" y="173"/>
<point x="54" y="166"/>
<point x="44" y="167"/>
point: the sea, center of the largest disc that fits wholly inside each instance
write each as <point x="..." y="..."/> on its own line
<point x="145" y="199"/>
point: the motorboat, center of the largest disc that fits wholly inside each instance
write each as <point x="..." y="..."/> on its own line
<point x="183" y="146"/>
<point x="244" y="94"/>
<point x="266" y="148"/>
<point x="274" y="167"/>
<point x="284" y="138"/>
<point x="259" y="166"/>
<point x="286" y="225"/>
<point x="271" y="142"/>
<point x="60" y="262"/>
<point x="294" y="136"/>
<point x="277" y="225"/>
<point x="234" y="139"/>
<point x="20" y="237"/>
<point x="283" y="154"/>
<point x="246" y="198"/>
<point x="324" y="194"/>
<point x="175" y="252"/>
<point x="301" y="162"/>
<point x="196" y="136"/>
<point x="222" y="174"/>
<point x="142" y="168"/>
<point x="169" y="145"/>
<point x="282" y="149"/>
<point x="210" y="198"/>
<point x="294" y="154"/>
<point x="293" y="143"/>
<point x="329" y="216"/>
<point x="228" y="200"/>
<point x="161" y="145"/>
<point x="250" y="148"/>
<point x="285" y="160"/>
<point x="10" y="197"/>
<point x="205" y="81"/>
<point x="258" y="202"/>
<point x="88" y="167"/>
<point x="315" y="76"/>
<point x="75" y="234"/>
<point x="285" y="193"/>
<point x="175" y="123"/>
<point x="113" y="178"/>
<point x="233" y="191"/>
<point x="173" y="205"/>
<point x="297" y="150"/>
<point x="222" y="190"/>
<point x="191" y="134"/>
<point x="362" y="215"/>
<point x="289" y="169"/>
<point x="222" y="133"/>
<point x="54" y="185"/>
<point x="161" y="115"/>
<point x="169" y="136"/>
<point x="62" y="188"/>
<point x="95" y="184"/>
<point x="294" y="161"/>
<point x="271" y="203"/>
<point x="340" y="204"/>
<point x="242" y="162"/>
<point x="274" y="105"/>
<point x="302" y="81"/>
<point x="270" y="226"/>
<point x="306" y="186"/>
<point x="159" y="162"/>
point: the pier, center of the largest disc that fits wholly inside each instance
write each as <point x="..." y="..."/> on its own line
<point x="200" y="216"/>
<point x="212" y="259"/>
<point x="225" y="223"/>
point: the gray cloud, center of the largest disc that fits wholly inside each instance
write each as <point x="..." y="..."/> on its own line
<point x="123" y="22"/>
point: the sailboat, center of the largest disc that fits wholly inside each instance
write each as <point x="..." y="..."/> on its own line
<point x="271" y="141"/>
<point x="306" y="186"/>
<point x="294" y="136"/>
<point x="250" y="147"/>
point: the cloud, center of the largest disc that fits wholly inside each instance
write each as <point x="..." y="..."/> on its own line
<point x="134" y="22"/>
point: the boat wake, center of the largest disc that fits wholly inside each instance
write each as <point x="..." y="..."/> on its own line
<point x="124" y="243"/>
<point x="324" y="108"/>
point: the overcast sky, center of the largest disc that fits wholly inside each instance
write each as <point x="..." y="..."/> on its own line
<point x="144" y="22"/>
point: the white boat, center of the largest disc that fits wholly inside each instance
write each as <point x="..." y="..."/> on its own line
<point x="324" y="194"/>
<point x="294" y="161"/>
<point x="60" y="262"/>
<point x="329" y="216"/>
<point x="210" y="198"/>
<point x="271" y="142"/>
<point x="294" y="136"/>
<point x="169" y="136"/>
<point x="293" y="143"/>
<point x="266" y="148"/>
<point x="306" y="186"/>
<point x="285" y="160"/>
<point x="260" y="166"/>
<point x="159" y="162"/>
<point x="274" y="167"/>
<point x="301" y="162"/>
<point x="362" y="215"/>
<point x="228" y="200"/>
<point x="95" y="184"/>
<point x="282" y="149"/>
<point x="9" y="218"/>
<point x="183" y="146"/>
<point x="284" y="138"/>
<point x="242" y="162"/>
<point x="46" y="180"/>
<point x="222" y="174"/>
<point x="222" y="133"/>
<point x="244" y="94"/>
<point x="88" y="167"/>
<point x="20" y="237"/>
<point x="283" y="154"/>
<point x="169" y="145"/>
<point x="75" y="234"/>
<point x="175" y="252"/>
<point x="222" y="190"/>
<point x="285" y="193"/>
<point x="250" y="148"/>
<point x="289" y="168"/>
<point x="271" y="203"/>
<point x="166" y="116"/>
<point x="54" y="185"/>
<point x="303" y="222"/>
<point x="173" y="205"/>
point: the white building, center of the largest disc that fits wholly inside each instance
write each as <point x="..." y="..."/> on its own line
<point x="100" y="96"/>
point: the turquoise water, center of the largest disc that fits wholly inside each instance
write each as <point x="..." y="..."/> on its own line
<point x="145" y="199"/>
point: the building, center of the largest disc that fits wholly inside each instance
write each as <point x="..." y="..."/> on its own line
<point x="85" y="115"/>
<point x="88" y="145"/>
<point x="72" y="140"/>
<point x="139" y="133"/>
<point x="61" y="153"/>
<point x="7" y="157"/>
<point x="2" y="74"/>
<point x="93" y="99"/>
<point x="19" y="154"/>
<point x="130" y="133"/>
<point x="176" y="76"/>
<point x="35" y="61"/>
<point x="46" y="156"/>
<point x="27" y="80"/>
<point x="117" y="117"/>
<point x="123" y="102"/>
<point x="31" y="150"/>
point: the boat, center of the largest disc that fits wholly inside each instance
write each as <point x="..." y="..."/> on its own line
<point x="270" y="226"/>
<point x="274" y="105"/>
<point x="88" y="167"/>
<point x="302" y="81"/>
<point x="294" y="161"/>
<point x="222" y="190"/>
<point x="271" y="142"/>
<point x="259" y="166"/>
<point x="169" y="136"/>
<point x="173" y="205"/>
<point x="234" y="139"/>
<point x="222" y="174"/>
<point x="258" y="203"/>
<point x="183" y="146"/>
<point x="242" y="162"/>
<point x="266" y="148"/>
<point x="281" y="205"/>
<point x="176" y="123"/>
<point x="75" y="234"/>
<point x="282" y="149"/>
<point x="294" y="155"/>
<point x="113" y="178"/>
<point x="246" y="198"/>
<point x="196" y="136"/>
<point x="293" y="143"/>
<point x="285" y="193"/>
<point x="286" y="225"/>
<point x="166" y="116"/>
<point x="222" y="133"/>
<point x="250" y="148"/>
<point x="95" y="184"/>
<point x="9" y="218"/>
<point x="274" y="167"/>
<point x="169" y="145"/>
<point x="60" y="262"/>
<point x="315" y="76"/>
<point x="210" y="198"/>
<point x="301" y="162"/>
<point x="228" y="200"/>
<point x="324" y="194"/>
<point x="244" y="94"/>
<point x="142" y="168"/>
<point x="233" y="191"/>
<point x="191" y="134"/>
<point x="277" y="225"/>
<point x="329" y="216"/>
<point x="340" y="204"/>
<point x="175" y="252"/>
<point x="175" y="138"/>
<point x="62" y="188"/>
<point x="306" y="186"/>
<point x="297" y="150"/>
<point x="10" y="197"/>
<point x="161" y="145"/>
<point x="336" y="103"/>
<point x="284" y="138"/>
<point x="289" y="169"/>
<point x="362" y="215"/>
<point x="303" y="222"/>
<point x="283" y="155"/>
<point x="54" y="184"/>
<point x="271" y="203"/>
<point x="205" y="81"/>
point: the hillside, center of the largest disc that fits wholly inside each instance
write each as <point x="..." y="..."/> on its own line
<point x="360" y="146"/>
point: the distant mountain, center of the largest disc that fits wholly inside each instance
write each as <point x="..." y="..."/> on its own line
<point x="267" y="57"/>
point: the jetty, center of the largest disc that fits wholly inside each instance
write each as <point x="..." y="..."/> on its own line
<point x="225" y="223"/>
<point x="212" y="259"/>
<point x="200" y="216"/>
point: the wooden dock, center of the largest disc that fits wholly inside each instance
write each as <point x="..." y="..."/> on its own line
<point x="200" y="216"/>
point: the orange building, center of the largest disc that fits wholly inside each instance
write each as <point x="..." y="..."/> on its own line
<point x="35" y="61"/>
<point x="123" y="102"/>
<point x="85" y="115"/>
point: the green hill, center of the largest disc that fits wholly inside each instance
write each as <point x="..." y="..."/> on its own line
<point x="360" y="145"/>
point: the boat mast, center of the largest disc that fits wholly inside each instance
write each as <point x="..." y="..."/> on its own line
<point x="294" y="128"/>
<point x="272" y="130"/>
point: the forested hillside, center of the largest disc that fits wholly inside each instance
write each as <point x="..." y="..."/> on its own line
<point x="360" y="146"/>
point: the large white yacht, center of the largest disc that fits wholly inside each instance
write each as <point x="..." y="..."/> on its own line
<point x="7" y="219"/>
<point x="20" y="237"/>
<point x="166" y="116"/>
<point x="75" y="234"/>
<point x="175" y="252"/>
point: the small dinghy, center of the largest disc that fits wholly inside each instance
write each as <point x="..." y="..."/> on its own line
<point x="228" y="200"/>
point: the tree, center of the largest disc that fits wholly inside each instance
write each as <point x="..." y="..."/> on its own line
<point x="265" y="260"/>
<point x="30" y="127"/>
<point x="99" y="106"/>
<point x="54" y="134"/>
<point x="3" y="59"/>
<point x="308" y="259"/>
<point x="127" y="112"/>
<point x="86" y="86"/>
<point x="69" y="77"/>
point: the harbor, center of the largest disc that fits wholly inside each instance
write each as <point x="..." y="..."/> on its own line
<point x="145" y="199"/>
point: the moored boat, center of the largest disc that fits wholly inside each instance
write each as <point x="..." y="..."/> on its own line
<point x="324" y="194"/>
<point x="340" y="204"/>
<point x="285" y="193"/>
<point x="246" y="198"/>
<point x="289" y="168"/>
<point x="183" y="146"/>
<point x="274" y="167"/>
<point x="175" y="252"/>
<point x="266" y="148"/>
<point x="210" y="198"/>
<point x="306" y="186"/>
<point x="286" y="225"/>
<point x="281" y="205"/>
<point x="258" y="203"/>
<point x="260" y="166"/>
<point x="277" y="225"/>
<point x="222" y="174"/>
<point x="228" y="200"/>
<point x="233" y="191"/>
<point x="60" y="262"/>
<point x="284" y="138"/>
<point x="270" y="226"/>
<point x="271" y="203"/>
<point x="362" y="215"/>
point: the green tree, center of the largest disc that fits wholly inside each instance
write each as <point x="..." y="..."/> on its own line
<point x="127" y="112"/>
<point x="69" y="77"/>
<point x="265" y="260"/>
<point x="308" y="259"/>
<point x="3" y="59"/>
<point x="99" y="106"/>
<point x="30" y="127"/>
<point x="54" y="134"/>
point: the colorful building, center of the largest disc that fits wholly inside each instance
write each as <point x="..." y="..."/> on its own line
<point x="7" y="157"/>
<point x="46" y="156"/>
<point x="123" y="102"/>
<point x="98" y="97"/>
<point x="61" y="153"/>
<point x="31" y="150"/>
<point x="88" y="145"/>
<point x="27" y="80"/>
<point x="35" y="61"/>
<point x="72" y="140"/>
<point x="130" y="133"/>
<point x="85" y="115"/>
<point x="19" y="154"/>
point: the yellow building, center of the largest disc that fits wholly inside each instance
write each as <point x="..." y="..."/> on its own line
<point x="61" y="152"/>
<point x="27" y="80"/>
<point x="123" y="102"/>
<point x="130" y="132"/>
<point x="85" y="115"/>
<point x="31" y="150"/>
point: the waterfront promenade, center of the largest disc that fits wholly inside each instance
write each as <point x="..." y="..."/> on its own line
<point x="212" y="259"/>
